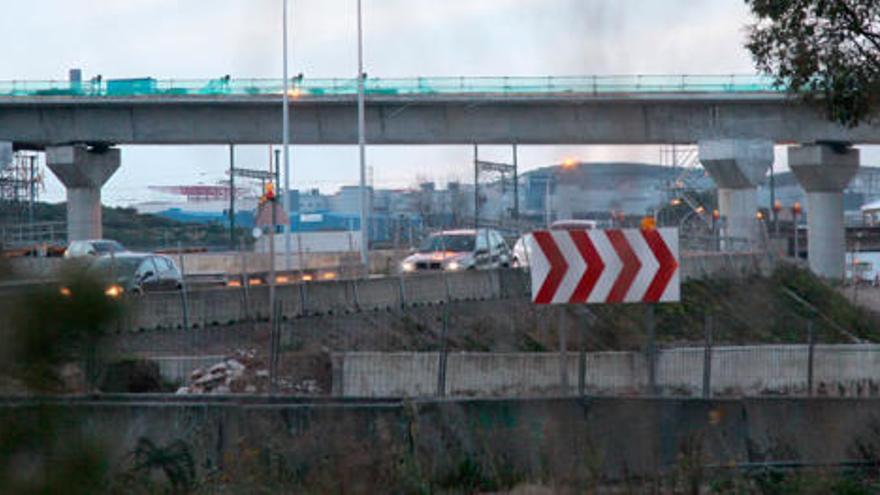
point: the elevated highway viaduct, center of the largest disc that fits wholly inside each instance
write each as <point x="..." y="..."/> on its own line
<point x="735" y="122"/>
<point x="624" y="119"/>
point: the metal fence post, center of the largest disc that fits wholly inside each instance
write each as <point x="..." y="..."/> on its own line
<point x="651" y="349"/>
<point x="811" y="349"/>
<point x="183" y="287"/>
<point x="356" y="294"/>
<point x="582" y="360"/>
<point x="402" y="290"/>
<point x="563" y="351"/>
<point x="245" y="282"/>
<point x="707" y="358"/>
<point x="274" y="351"/>
<point x="444" y="353"/>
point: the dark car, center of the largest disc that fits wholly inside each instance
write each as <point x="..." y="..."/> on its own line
<point x="136" y="273"/>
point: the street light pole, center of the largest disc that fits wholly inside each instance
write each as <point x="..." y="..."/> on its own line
<point x="476" y="187"/>
<point x="285" y="129"/>
<point x="232" y="197"/>
<point x="547" y="212"/>
<point x="362" y="143"/>
<point x="515" y="186"/>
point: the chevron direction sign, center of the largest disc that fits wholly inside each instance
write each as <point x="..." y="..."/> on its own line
<point x="604" y="266"/>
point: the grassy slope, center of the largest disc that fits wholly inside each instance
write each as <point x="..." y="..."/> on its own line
<point x="752" y="311"/>
<point x="756" y="310"/>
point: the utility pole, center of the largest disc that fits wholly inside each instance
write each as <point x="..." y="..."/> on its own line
<point x="515" y="185"/>
<point x="31" y="192"/>
<point x="271" y="201"/>
<point x="476" y="188"/>
<point x="773" y="199"/>
<point x="232" y="197"/>
<point x="547" y="212"/>
<point x="362" y="142"/>
<point x="285" y="130"/>
<point x="277" y="174"/>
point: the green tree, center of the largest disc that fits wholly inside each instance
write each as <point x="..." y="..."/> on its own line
<point x="821" y="49"/>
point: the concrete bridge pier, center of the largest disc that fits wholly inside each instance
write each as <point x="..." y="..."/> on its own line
<point x="83" y="171"/>
<point x="824" y="172"/>
<point x="737" y="166"/>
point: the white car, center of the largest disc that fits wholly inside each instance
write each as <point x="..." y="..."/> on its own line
<point x="93" y="247"/>
<point x="454" y="250"/>
<point x="521" y="252"/>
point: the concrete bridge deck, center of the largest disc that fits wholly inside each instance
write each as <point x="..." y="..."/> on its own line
<point x="582" y="110"/>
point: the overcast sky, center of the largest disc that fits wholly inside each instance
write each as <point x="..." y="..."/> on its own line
<point x="210" y="38"/>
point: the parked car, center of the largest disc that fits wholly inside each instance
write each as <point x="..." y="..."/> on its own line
<point x="453" y="250"/>
<point x="93" y="247"/>
<point x="521" y="253"/>
<point x="136" y="273"/>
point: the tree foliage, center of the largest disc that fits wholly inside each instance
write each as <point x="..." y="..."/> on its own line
<point x="821" y="49"/>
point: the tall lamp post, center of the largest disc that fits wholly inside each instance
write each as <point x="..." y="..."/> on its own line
<point x="362" y="143"/>
<point x="285" y="130"/>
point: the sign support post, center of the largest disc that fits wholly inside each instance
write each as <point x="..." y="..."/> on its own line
<point x="651" y="349"/>
<point x="563" y="352"/>
<point x="604" y="267"/>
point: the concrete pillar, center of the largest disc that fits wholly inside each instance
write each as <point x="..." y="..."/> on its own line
<point x="83" y="172"/>
<point x="737" y="166"/>
<point x="5" y="154"/>
<point x="824" y="172"/>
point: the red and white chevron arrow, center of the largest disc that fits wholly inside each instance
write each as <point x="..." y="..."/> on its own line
<point x="604" y="266"/>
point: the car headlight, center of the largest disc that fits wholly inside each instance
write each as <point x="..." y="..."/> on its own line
<point x="453" y="266"/>
<point x="408" y="266"/>
<point x="65" y="291"/>
<point x="114" y="291"/>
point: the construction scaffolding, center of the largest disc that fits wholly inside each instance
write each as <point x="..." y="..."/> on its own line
<point x="21" y="182"/>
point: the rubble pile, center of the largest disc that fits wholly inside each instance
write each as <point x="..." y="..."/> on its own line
<point x="246" y="373"/>
<point x="242" y="373"/>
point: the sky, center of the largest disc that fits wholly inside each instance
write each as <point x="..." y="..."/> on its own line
<point x="402" y="38"/>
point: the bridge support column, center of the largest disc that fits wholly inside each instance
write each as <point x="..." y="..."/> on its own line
<point x="83" y="172"/>
<point x="737" y="166"/>
<point x="824" y="172"/>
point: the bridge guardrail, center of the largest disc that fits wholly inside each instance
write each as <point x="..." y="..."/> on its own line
<point x="591" y="84"/>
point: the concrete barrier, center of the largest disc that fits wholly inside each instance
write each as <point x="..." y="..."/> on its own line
<point x="226" y="305"/>
<point x="387" y="374"/>
<point x="231" y="262"/>
<point x="327" y="297"/>
<point x="378" y="293"/>
<point x="839" y="370"/>
<point x="695" y="266"/>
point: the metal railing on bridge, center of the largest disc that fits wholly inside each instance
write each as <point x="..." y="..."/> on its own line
<point x="549" y="85"/>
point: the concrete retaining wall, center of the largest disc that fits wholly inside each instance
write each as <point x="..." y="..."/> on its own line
<point x="357" y="447"/>
<point x="839" y="370"/>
